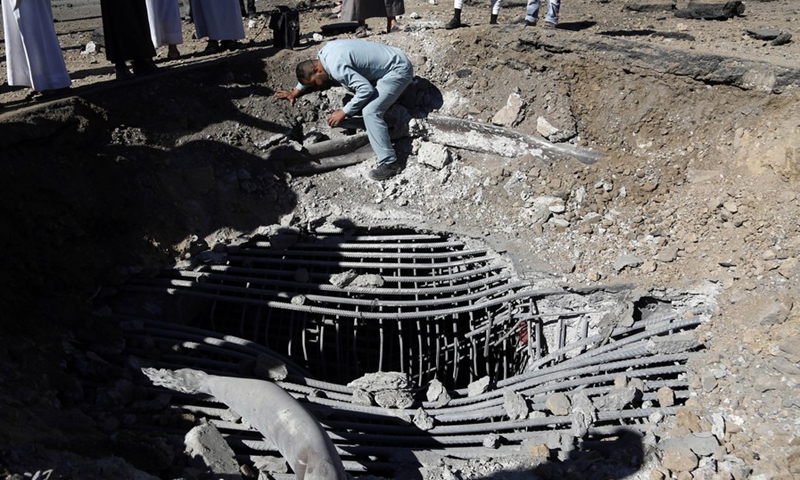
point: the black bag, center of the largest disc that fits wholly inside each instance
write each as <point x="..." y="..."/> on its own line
<point x="285" y="25"/>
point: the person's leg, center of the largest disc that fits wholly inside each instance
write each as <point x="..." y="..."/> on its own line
<point x="532" y="12"/>
<point x="495" y="9"/>
<point x="251" y="8"/>
<point x="361" y="30"/>
<point x="388" y="90"/>
<point x="455" y="22"/>
<point x="553" y="7"/>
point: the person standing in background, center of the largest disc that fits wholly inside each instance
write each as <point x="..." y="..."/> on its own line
<point x="127" y="37"/>
<point x="33" y="54"/>
<point x="550" y="18"/>
<point x="250" y="10"/>
<point x="165" y="25"/>
<point x="220" y="21"/>
<point x="360" y="10"/>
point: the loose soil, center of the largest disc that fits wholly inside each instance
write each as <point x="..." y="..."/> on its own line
<point x="698" y="124"/>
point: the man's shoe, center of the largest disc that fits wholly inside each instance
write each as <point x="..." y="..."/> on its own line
<point x="528" y="23"/>
<point x="144" y="67"/>
<point x="230" y="45"/>
<point x="123" y="73"/>
<point x="453" y="23"/>
<point x="384" y="171"/>
<point x="549" y="25"/>
<point x="212" y="47"/>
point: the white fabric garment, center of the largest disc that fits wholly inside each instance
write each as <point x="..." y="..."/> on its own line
<point x="164" y="17"/>
<point x="218" y="19"/>
<point x="495" y="5"/>
<point x="33" y="54"/>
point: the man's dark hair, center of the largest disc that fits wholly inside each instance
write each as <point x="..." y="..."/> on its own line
<point x="304" y="70"/>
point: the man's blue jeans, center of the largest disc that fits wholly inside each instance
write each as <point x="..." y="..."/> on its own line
<point x="553" y="6"/>
<point x="387" y="91"/>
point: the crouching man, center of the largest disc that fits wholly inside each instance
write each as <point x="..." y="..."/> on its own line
<point x="376" y="73"/>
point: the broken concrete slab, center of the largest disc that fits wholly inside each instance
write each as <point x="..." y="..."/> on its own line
<point x="764" y="33"/>
<point x="655" y="6"/>
<point x="486" y="138"/>
<point x="781" y="39"/>
<point x="712" y="11"/>
<point x="208" y="450"/>
<point x="707" y="68"/>
<point x="558" y="403"/>
<point x="546" y="129"/>
<point x="388" y="389"/>
<point x="515" y="405"/>
<point x="511" y="114"/>
<point x="625" y="261"/>
<point x="437" y="394"/>
<point x="478" y="387"/>
<point x="702" y="444"/>
<point x="434" y="155"/>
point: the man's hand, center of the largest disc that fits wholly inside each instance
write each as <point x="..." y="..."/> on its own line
<point x="290" y="95"/>
<point x="336" y="118"/>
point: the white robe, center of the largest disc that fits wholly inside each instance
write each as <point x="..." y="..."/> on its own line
<point x="164" y="17"/>
<point x="33" y="54"/>
<point x="218" y="19"/>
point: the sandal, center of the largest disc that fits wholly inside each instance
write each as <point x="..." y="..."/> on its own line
<point x="361" y="31"/>
<point x="44" y="95"/>
<point x="34" y="95"/>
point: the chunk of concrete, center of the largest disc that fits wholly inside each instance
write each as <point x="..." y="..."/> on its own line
<point x="515" y="405"/>
<point x="434" y="155"/>
<point x="208" y="450"/>
<point x="625" y="261"/>
<point x="558" y="404"/>
<point x="511" y="114"/>
<point x="711" y="11"/>
<point x="546" y="129"/>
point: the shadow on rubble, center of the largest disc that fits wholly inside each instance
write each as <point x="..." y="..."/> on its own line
<point x="191" y="98"/>
<point x="421" y="98"/>
<point x="576" y="26"/>
<point x="178" y="96"/>
<point x="90" y="195"/>
<point x="607" y="457"/>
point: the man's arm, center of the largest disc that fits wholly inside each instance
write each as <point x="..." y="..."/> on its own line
<point x="363" y="91"/>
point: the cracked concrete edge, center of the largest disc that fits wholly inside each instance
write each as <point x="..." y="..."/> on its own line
<point x="704" y="67"/>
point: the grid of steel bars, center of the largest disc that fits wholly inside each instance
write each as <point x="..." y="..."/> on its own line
<point x="440" y="310"/>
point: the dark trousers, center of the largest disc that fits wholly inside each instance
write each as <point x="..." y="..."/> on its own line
<point x="126" y="30"/>
<point x="251" y="8"/>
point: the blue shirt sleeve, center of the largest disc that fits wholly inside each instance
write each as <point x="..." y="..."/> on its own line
<point x="361" y="87"/>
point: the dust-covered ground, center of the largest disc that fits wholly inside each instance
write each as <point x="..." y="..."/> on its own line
<point x="697" y="121"/>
